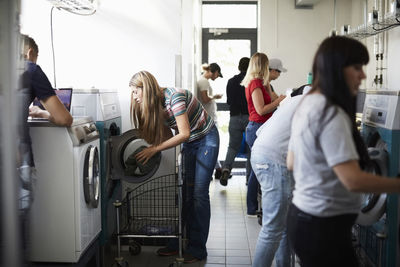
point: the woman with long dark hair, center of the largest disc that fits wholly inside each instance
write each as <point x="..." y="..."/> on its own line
<point x="326" y="154"/>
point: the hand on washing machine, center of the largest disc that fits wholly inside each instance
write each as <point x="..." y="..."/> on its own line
<point x="144" y="155"/>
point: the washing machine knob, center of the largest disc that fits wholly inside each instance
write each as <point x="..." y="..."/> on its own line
<point x="93" y="127"/>
<point x="80" y="133"/>
<point x="87" y="129"/>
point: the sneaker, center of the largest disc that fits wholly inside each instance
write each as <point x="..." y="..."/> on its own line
<point x="224" y="177"/>
<point x="166" y="251"/>
<point x="217" y="173"/>
<point x="188" y="258"/>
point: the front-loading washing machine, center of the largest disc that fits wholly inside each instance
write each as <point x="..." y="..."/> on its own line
<point x="381" y="133"/>
<point x="123" y="146"/>
<point x="103" y="106"/>
<point x="66" y="213"/>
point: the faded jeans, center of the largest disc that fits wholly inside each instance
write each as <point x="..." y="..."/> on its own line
<point x="27" y="182"/>
<point x="252" y="185"/>
<point x="199" y="159"/>
<point x="237" y="126"/>
<point x="276" y="186"/>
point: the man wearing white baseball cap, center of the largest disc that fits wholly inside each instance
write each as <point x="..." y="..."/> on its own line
<point x="275" y="69"/>
<point x="276" y="64"/>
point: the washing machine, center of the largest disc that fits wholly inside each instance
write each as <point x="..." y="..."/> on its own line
<point x="103" y="106"/>
<point x="123" y="146"/>
<point x="379" y="218"/>
<point x="66" y="213"/>
<point x="115" y="149"/>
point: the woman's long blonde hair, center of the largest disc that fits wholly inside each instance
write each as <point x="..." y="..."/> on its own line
<point x="258" y="69"/>
<point x="149" y="116"/>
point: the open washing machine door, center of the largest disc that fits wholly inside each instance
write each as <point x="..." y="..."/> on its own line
<point x="122" y="147"/>
<point x="91" y="174"/>
<point x="373" y="205"/>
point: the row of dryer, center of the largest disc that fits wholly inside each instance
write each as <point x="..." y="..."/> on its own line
<point x="379" y="222"/>
<point x="81" y="172"/>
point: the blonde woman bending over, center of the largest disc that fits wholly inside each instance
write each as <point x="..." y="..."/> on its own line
<point x="153" y="111"/>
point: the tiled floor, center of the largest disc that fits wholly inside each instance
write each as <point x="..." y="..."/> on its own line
<point x="232" y="237"/>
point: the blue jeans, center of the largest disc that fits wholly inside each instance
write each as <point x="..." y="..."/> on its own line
<point x="198" y="158"/>
<point x="252" y="185"/>
<point x="237" y="126"/>
<point x="276" y="186"/>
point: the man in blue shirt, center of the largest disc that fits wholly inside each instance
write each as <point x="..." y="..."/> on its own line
<point x="33" y="84"/>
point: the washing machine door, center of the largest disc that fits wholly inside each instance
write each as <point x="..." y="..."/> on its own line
<point x="91" y="177"/>
<point x="110" y="181"/>
<point x="373" y="205"/>
<point x="123" y="147"/>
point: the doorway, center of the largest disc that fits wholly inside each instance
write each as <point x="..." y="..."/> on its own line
<point x="225" y="41"/>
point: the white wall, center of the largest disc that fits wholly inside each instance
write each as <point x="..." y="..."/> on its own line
<point x="293" y="35"/>
<point x="393" y="59"/>
<point x="190" y="38"/>
<point x="104" y="50"/>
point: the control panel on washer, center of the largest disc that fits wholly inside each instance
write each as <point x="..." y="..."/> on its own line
<point x="83" y="133"/>
<point x="381" y="108"/>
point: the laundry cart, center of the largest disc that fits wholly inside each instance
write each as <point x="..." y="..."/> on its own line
<point x="152" y="209"/>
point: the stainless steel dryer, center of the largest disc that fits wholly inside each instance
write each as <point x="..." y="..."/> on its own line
<point x="103" y="106"/>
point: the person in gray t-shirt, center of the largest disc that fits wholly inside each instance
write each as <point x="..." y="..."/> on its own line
<point x="268" y="160"/>
<point x="325" y="153"/>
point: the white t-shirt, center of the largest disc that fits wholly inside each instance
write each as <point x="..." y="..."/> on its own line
<point x="273" y="136"/>
<point x="318" y="145"/>
<point x="210" y="107"/>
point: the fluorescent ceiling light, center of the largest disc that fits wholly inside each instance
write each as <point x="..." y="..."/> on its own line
<point x="81" y="7"/>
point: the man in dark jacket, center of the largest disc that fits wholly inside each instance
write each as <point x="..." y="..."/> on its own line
<point x="239" y="117"/>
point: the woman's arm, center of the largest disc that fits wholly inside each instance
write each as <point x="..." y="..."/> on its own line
<point x="259" y="104"/>
<point x="356" y="180"/>
<point x="182" y="121"/>
<point x="290" y="160"/>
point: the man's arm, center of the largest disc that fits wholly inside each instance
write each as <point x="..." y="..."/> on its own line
<point x="205" y="98"/>
<point x="229" y="93"/>
<point x="56" y="111"/>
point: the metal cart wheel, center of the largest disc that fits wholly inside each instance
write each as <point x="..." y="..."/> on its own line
<point x="120" y="263"/>
<point x="177" y="263"/>
<point x="134" y="247"/>
<point x="123" y="264"/>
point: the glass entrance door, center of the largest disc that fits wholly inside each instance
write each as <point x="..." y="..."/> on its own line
<point x="226" y="48"/>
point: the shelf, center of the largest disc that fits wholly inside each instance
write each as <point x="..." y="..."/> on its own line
<point x="363" y="31"/>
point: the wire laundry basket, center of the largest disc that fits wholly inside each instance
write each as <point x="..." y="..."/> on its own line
<point x="152" y="209"/>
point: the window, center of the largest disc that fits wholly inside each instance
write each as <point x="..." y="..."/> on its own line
<point x="235" y="15"/>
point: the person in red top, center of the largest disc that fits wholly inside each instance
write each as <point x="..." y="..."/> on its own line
<point x="261" y="102"/>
